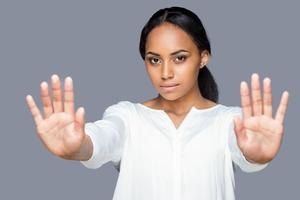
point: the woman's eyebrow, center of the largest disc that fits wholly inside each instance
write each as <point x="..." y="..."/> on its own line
<point x="176" y="52"/>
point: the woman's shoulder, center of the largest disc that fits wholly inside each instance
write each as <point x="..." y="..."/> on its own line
<point x="230" y="110"/>
<point x="127" y="105"/>
<point x="121" y="105"/>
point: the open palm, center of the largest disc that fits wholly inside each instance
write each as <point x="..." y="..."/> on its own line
<point x="60" y="129"/>
<point x="259" y="135"/>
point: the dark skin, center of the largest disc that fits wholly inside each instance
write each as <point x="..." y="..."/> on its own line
<point x="176" y="118"/>
<point x="259" y="134"/>
<point x="172" y="58"/>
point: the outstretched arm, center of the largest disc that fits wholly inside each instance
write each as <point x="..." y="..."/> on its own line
<point x="258" y="134"/>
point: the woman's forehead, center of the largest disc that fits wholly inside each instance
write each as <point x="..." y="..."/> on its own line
<point x="168" y="37"/>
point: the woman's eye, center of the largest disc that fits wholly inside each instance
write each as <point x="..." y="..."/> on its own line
<point x="154" y="60"/>
<point x="180" y="58"/>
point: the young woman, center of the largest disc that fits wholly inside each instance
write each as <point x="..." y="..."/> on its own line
<point x="181" y="144"/>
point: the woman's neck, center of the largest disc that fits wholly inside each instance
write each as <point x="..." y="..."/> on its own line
<point x="184" y="104"/>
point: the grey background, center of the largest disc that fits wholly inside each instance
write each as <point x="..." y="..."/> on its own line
<point x="96" y="43"/>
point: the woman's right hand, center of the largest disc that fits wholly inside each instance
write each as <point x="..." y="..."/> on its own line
<point x="60" y="129"/>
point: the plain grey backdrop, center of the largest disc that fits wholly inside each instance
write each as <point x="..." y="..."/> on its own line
<point x="96" y="43"/>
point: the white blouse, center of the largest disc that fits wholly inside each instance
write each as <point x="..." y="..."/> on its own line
<point x="156" y="161"/>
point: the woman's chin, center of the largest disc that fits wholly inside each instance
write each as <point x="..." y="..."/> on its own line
<point x="169" y="96"/>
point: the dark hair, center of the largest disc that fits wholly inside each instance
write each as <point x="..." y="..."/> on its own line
<point x="192" y="25"/>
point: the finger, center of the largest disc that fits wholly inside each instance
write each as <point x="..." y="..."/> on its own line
<point x="80" y="120"/>
<point x="57" y="94"/>
<point x="239" y="130"/>
<point x="37" y="117"/>
<point x="267" y="98"/>
<point x="69" y="96"/>
<point x="245" y="100"/>
<point x="281" y="111"/>
<point x="46" y="100"/>
<point x="256" y="96"/>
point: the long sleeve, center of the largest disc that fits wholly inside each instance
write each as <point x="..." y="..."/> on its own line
<point x="236" y="154"/>
<point x="108" y="135"/>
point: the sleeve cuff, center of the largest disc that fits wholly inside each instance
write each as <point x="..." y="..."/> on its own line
<point x="93" y="162"/>
<point x="248" y="166"/>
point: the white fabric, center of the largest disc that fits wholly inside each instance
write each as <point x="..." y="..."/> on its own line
<point x="159" y="162"/>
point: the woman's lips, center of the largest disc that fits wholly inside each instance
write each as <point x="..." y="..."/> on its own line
<point x="169" y="88"/>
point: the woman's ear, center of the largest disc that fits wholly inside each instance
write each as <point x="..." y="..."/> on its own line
<point x="204" y="58"/>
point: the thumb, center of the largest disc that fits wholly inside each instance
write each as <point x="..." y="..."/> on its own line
<point x="239" y="130"/>
<point x="80" y="120"/>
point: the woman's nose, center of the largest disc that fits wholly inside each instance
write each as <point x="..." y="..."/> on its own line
<point x="167" y="71"/>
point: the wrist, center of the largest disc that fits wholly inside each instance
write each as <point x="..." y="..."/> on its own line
<point x="84" y="152"/>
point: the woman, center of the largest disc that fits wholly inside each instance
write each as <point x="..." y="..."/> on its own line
<point x="181" y="144"/>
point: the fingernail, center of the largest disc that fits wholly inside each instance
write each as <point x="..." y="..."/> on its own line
<point x="68" y="79"/>
<point x="267" y="80"/>
<point x="54" y="77"/>
<point x="287" y="93"/>
<point x="44" y="84"/>
<point x="28" y="97"/>
<point x="243" y="84"/>
<point x="255" y="75"/>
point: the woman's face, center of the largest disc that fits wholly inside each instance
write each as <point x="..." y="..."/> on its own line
<point x="172" y="58"/>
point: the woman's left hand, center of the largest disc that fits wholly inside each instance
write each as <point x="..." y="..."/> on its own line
<point x="258" y="134"/>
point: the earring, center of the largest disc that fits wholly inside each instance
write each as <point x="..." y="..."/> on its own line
<point x="202" y="64"/>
